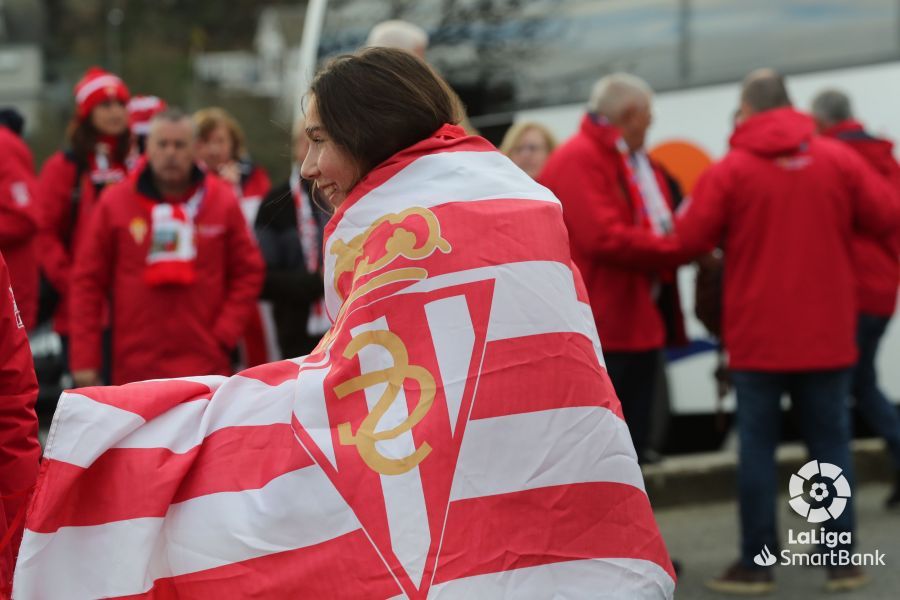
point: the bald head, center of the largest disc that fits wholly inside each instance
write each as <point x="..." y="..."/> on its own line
<point x="763" y="89"/>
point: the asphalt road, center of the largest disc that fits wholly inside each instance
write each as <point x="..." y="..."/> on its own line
<point x="704" y="538"/>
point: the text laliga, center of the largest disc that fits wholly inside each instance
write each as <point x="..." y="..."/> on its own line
<point x="819" y="536"/>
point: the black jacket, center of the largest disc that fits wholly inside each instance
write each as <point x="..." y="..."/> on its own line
<point x="288" y="285"/>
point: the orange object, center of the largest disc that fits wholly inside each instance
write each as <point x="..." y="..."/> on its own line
<point x="683" y="160"/>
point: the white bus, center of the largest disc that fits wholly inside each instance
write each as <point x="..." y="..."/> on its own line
<point x="536" y="60"/>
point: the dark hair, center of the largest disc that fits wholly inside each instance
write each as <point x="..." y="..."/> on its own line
<point x="381" y="100"/>
<point x="83" y="136"/>
<point x="764" y="89"/>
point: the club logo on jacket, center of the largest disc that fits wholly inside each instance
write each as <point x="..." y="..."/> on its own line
<point x="138" y="230"/>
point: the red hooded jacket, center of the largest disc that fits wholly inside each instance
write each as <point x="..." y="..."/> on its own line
<point x="165" y="330"/>
<point x="59" y="235"/>
<point x="619" y="259"/>
<point x="875" y="260"/>
<point x="19" y="221"/>
<point x="783" y="204"/>
<point x="19" y="447"/>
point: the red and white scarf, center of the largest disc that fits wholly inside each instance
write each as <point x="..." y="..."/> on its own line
<point x="173" y="249"/>
<point x="651" y="208"/>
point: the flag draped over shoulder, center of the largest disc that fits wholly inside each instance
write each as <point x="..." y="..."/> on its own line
<point x="455" y="434"/>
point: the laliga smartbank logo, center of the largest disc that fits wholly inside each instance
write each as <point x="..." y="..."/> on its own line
<point x="825" y="499"/>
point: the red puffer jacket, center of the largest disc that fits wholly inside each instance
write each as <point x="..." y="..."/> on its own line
<point x="619" y="259"/>
<point x="19" y="221"/>
<point x="875" y="260"/>
<point x="166" y="330"/>
<point x="19" y="447"/>
<point x="783" y="203"/>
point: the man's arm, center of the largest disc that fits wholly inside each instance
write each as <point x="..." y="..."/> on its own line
<point x="18" y="210"/>
<point x="54" y="198"/>
<point x="701" y="220"/>
<point x="594" y="218"/>
<point x="91" y="280"/>
<point x="244" y="278"/>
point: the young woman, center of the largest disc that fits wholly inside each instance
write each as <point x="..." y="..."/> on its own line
<point x="71" y="180"/>
<point x="528" y="144"/>
<point x="453" y="435"/>
<point x="221" y="149"/>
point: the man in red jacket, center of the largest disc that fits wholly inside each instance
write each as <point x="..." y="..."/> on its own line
<point x="877" y="269"/>
<point x="783" y="204"/>
<point x="617" y="205"/>
<point x="18" y="214"/>
<point x="169" y="246"/>
<point x="19" y="448"/>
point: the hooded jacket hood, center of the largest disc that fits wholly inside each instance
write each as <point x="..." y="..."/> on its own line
<point x="774" y="132"/>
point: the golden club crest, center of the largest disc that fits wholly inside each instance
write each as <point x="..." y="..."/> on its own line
<point x="138" y="229"/>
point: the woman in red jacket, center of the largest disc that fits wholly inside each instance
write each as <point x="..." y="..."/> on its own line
<point x="71" y="181"/>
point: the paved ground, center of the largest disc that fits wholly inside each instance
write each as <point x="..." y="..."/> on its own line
<point x="704" y="539"/>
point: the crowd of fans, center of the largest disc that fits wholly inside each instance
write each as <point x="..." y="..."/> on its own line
<point x="163" y="251"/>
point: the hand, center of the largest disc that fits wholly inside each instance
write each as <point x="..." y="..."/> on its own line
<point x="230" y="172"/>
<point x="86" y="378"/>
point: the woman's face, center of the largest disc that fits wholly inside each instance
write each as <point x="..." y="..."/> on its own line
<point x="530" y="152"/>
<point x="110" y="118"/>
<point x="217" y="149"/>
<point x="332" y="169"/>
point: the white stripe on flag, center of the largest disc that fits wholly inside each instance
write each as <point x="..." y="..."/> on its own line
<point x="530" y="298"/>
<point x="446" y="177"/>
<point x="545" y="448"/>
<point x="178" y="429"/>
<point x="295" y="510"/>
<point x="453" y="337"/>
<point x="595" y="579"/>
<point x="90" y="428"/>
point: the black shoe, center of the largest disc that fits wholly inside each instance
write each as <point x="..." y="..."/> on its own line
<point x="846" y="579"/>
<point x="741" y="581"/>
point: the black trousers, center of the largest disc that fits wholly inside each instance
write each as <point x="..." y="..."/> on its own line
<point x="634" y="376"/>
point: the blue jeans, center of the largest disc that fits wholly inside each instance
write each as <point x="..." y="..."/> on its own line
<point x="876" y="409"/>
<point x="821" y="400"/>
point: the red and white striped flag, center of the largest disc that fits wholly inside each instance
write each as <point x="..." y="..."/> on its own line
<point x="455" y="435"/>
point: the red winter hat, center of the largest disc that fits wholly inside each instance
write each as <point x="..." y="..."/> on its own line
<point x="141" y="109"/>
<point x="98" y="86"/>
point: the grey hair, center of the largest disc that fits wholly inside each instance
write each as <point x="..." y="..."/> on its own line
<point x="831" y="106"/>
<point x="402" y="35"/>
<point x="172" y="115"/>
<point x="613" y="94"/>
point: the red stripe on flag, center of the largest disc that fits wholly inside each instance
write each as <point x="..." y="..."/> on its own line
<point x="304" y="573"/>
<point x="274" y="373"/>
<point x="149" y="399"/>
<point x="547" y="525"/>
<point x="508" y="385"/>
<point x="117" y="487"/>
<point x="386" y="170"/>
